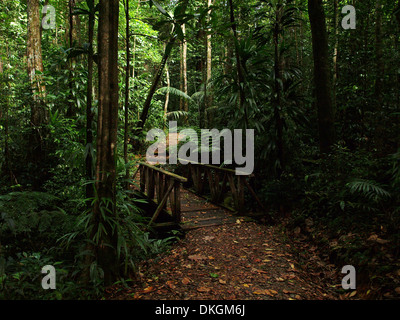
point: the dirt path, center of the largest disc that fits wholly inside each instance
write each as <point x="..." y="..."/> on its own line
<point x="223" y="257"/>
<point x="244" y="260"/>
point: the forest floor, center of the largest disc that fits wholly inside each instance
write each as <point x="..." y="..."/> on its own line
<point x="234" y="260"/>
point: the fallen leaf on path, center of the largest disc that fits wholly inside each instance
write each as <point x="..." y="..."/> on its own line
<point x="268" y="292"/>
<point x="136" y="296"/>
<point x="203" y="289"/>
<point x="353" y="294"/>
<point x="148" y="289"/>
<point x="259" y="271"/>
<point x="208" y="238"/>
<point x="196" y="257"/>
<point x="170" y="284"/>
<point x="287" y="291"/>
<point x="185" y="281"/>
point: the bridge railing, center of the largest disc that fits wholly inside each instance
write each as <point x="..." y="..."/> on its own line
<point x="219" y="181"/>
<point x="161" y="186"/>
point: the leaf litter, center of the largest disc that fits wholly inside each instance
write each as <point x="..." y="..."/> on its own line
<point x="246" y="261"/>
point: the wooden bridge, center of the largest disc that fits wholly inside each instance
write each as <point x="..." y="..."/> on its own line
<point x="202" y="195"/>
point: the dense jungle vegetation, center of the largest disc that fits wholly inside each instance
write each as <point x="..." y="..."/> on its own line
<point x="83" y="81"/>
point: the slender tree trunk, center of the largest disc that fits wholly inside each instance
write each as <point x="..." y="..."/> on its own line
<point x="89" y="111"/>
<point x="105" y="204"/>
<point x="209" y="98"/>
<point x="322" y="78"/>
<point x="156" y="80"/>
<point x="397" y="10"/>
<point x="167" y="95"/>
<point x="183" y="103"/>
<point x="242" y="98"/>
<point x="153" y="88"/>
<point x="379" y="80"/>
<point x="228" y="58"/>
<point x="73" y="37"/>
<point x="4" y="100"/>
<point x="184" y="71"/>
<point x="278" y="99"/>
<point x="397" y="45"/>
<point x="335" y="51"/>
<point x="38" y="111"/>
<point x="180" y="75"/>
<point x="35" y="64"/>
<point x="127" y="76"/>
<point x="380" y="66"/>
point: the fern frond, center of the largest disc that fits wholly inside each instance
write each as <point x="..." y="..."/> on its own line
<point x="369" y="189"/>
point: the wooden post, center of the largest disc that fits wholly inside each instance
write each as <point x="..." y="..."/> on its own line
<point x="142" y="178"/>
<point x="233" y="190"/>
<point x="177" y="194"/>
<point x="151" y="186"/>
<point x="254" y="194"/>
<point x="162" y="203"/>
<point x="160" y="185"/>
<point x="222" y="188"/>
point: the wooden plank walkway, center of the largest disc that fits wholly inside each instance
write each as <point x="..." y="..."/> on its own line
<point x="195" y="211"/>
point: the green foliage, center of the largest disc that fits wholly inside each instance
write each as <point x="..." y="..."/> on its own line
<point x="20" y="278"/>
<point x="31" y="221"/>
<point x="31" y="224"/>
<point x="369" y="190"/>
<point x="349" y="193"/>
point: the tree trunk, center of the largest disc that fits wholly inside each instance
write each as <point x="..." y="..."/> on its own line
<point x="127" y="76"/>
<point x="105" y="204"/>
<point x="35" y="64"/>
<point x="397" y="44"/>
<point x="335" y="51"/>
<point x="380" y="66"/>
<point x="153" y="88"/>
<point x="167" y="95"/>
<point x="240" y="83"/>
<point x="278" y="94"/>
<point x="4" y="101"/>
<point x="322" y="75"/>
<point x="89" y="111"/>
<point x="180" y="75"/>
<point x="208" y="97"/>
<point x="184" y="71"/>
<point x="156" y="80"/>
<point x="73" y="37"/>
<point x="38" y="111"/>
<point x="183" y="103"/>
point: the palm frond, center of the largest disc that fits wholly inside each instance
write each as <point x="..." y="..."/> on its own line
<point x="175" y="92"/>
<point x="369" y="189"/>
<point x="175" y="115"/>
